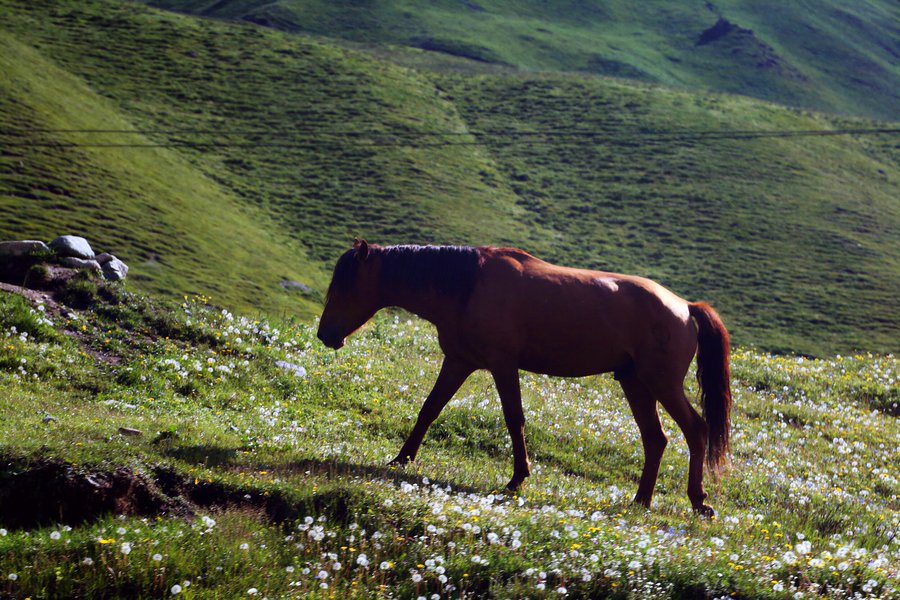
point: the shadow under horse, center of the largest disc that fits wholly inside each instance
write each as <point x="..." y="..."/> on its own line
<point x="503" y="310"/>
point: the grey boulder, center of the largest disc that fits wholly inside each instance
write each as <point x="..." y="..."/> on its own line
<point x="297" y="370"/>
<point x="103" y="258"/>
<point x="78" y="263"/>
<point x="114" y="269"/>
<point x="292" y="285"/>
<point x="22" y="248"/>
<point x="72" y="245"/>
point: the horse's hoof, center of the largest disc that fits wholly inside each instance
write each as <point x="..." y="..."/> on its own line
<point x="515" y="484"/>
<point x="705" y="510"/>
<point x="642" y="501"/>
<point x="399" y="461"/>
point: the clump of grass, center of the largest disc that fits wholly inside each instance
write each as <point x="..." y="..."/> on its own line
<point x="81" y="291"/>
<point x="38" y="275"/>
<point x="18" y="316"/>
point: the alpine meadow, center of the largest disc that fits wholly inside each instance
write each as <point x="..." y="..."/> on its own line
<point x="183" y="433"/>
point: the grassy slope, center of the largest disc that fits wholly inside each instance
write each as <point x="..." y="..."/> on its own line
<point x="716" y="220"/>
<point x="825" y="55"/>
<point x="179" y="231"/>
<point x="172" y="72"/>
<point x="259" y="449"/>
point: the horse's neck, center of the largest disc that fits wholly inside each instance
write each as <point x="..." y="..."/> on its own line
<point x="427" y="305"/>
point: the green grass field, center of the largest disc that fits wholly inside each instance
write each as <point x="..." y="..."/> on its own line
<point x="826" y="55"/>
<point x="793" y="239"/>
<point x="251" y="481"/>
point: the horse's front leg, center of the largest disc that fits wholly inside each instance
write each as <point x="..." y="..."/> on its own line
<point x="453" y="374"/>
<point x="507" y="381"/>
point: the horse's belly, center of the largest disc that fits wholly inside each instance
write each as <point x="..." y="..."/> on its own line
<point x="572" y="357"/>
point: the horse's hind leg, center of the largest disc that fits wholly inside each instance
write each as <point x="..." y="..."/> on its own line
<point x="643" y="407"/>
<point x="696" y="433"/>
<point x="507" y="382"/>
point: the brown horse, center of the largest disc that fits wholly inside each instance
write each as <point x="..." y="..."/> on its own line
<point x="502" y="309"/>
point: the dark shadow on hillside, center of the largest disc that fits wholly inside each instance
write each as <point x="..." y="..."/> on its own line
<point x="43" y="492"/>
<point x="37" y="493"/>
<point x="331" y="468"/>
<point x="203" y="454"/>
<point x="49" y="491"/>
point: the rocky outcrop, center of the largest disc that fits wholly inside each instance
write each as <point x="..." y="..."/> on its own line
<point x="34" y="264"/>
<point x="23" y="248"/>
<point x="722" y="28"/>
<point x="79" y="263"/>
<point x="114" y="269"/>
<point x="292" y="285"/>
<point x="72" y="245"/>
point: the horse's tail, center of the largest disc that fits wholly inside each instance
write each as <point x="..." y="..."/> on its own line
<point x="714" y="377"/>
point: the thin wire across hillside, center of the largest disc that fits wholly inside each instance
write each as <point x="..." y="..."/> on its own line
<point x="316" y="138"/>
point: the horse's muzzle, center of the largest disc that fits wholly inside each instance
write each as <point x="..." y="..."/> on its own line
<point x="331" y="338"/>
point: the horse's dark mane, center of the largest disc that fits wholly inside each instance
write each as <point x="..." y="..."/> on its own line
<point x="449" y="270"/>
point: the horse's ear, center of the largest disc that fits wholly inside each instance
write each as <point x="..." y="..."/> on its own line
<point x="362" y="249"/>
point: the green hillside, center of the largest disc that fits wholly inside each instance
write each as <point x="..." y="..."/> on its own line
<point x="180" y="231"/>
<point x="286" y="147"/>
<point x="823" y="54"/>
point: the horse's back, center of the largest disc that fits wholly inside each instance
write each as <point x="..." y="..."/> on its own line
<point x="566" y="321"/>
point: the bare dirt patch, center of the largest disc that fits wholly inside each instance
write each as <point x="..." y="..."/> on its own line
<point x="49" y="491"/>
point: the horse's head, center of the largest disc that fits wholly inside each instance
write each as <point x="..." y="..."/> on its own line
<point x="352" y="297"/>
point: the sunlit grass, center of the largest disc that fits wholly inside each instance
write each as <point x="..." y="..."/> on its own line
<point x="292" y="471"/>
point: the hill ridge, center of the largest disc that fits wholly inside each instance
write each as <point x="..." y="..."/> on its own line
<point x="828" y="57"/>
